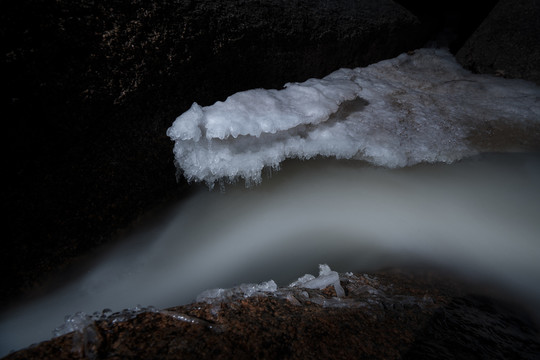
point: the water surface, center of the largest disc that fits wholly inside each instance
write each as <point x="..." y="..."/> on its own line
<point x="477" y="218"/>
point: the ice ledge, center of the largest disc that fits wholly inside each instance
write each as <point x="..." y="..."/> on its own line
<point x="416" y="108"/>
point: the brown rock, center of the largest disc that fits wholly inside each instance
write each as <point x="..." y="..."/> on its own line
<point x="388" y="315"/>
<point x="507" y="43"/>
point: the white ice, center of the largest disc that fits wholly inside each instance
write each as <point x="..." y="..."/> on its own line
<point x="326" y="278"/>
<point x="398" y="112"/>
<point x="243" y="290"/>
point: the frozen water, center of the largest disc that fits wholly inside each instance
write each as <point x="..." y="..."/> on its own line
<point x="243" y="290"/>
<point x="81" y="320"/>
<point x="77" y="322"/>
<point x="326" y="278"/>
<point x="399" y="112"/>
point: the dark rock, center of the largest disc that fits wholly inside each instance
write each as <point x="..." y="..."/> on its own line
<point x="387" y="315"/>
<point x="449" y="23"/>
<point x="507" y="43"/>
<point x="89" y="89"/>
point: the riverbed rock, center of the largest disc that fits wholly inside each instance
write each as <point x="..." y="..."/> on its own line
<point x="391" y="314"/>
<point x="504" y="46"/>
<point x="89" y="89"/>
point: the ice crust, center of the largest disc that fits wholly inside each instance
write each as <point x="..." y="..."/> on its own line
<point x="82" y="322"/>
<point x="243" y="290"/>
<point x="395" y="113"/>
<point x="327" y="277"/>
<point x="366" y="291"/>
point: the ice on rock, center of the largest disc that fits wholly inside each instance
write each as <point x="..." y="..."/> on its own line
<point x="243" y="290"/>
<point x="81" y="321"/>
<point x="303" y="280"/>
<point x="326" y="278"/>
<point x="77" y="322"/>
<point x="398" y="112"/>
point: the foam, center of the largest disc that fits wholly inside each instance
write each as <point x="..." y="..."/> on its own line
<point x="396" y="113"/>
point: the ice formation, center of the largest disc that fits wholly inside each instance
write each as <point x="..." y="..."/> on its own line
<point x="398" y="112"/>
<point x="86" y="336"/>
<point x="80" y="321"/>
<point x="326" y="278"/>
<point x="243" y="290"/>
<point x="83" y="323"/>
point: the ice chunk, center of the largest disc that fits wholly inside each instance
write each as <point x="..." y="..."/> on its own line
<point x="398" y="112"/>
<point x="302" y="280"/>
<point x="187" y="125"/>
<point x="80" y="321"/>
<point x="326" y="278"/>
<point x="243" y="290"/>
<point x="77" y="322"/>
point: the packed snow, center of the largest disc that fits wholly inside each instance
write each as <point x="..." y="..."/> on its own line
<point x="399" y="112"/>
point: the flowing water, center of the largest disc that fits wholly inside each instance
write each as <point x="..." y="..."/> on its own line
<point x="478" y="218"/>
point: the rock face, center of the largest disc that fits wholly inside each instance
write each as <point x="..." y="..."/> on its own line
<point x="449" y="23"/>
<point x="504" y="46"/>
<point x="387" y="315"/>
<point x="90" y="89"/>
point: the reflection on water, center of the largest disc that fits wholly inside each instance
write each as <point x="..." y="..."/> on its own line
<point x="478" y="218"/>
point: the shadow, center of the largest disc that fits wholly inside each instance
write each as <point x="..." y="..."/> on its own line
<point x="477" y="327"/>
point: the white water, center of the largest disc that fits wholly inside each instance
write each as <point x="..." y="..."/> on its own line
<point x="478" y="217"/>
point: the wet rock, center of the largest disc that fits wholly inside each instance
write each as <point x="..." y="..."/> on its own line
<point x="507" y="43"/>
<point x="89" y="89"/>
<point x="386" y="315"/>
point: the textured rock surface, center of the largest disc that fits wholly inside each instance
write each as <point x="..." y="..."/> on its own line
<point x="387" y="315"/>
<point x="90" y="88"/>
<point x="504" y="46"/>
<point x="449" y="23"/>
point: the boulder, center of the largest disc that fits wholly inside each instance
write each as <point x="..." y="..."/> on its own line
<point x="449" y="23"/>
<point x="391" y="314"/>
<point x="507" y="43"/>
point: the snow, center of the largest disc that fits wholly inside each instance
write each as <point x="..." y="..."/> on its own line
<point x="396" y="113"/>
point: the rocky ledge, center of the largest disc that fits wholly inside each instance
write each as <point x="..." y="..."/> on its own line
<point x="387" y="315"/>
